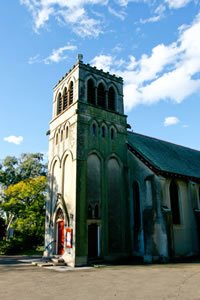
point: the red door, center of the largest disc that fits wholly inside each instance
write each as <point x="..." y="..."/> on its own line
<point x="60" y="225"/>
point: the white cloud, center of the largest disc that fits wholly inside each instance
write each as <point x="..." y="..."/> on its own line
<point x="82" y="25"/>
<point x="175" y="4"/>
<point x="103" y="62"/>
<point x="14" y="139"/>
<point x="119" y="14"/>
<point x="83" y="20"/>
<point x="150" y="20"/>
<point x="56" y="56"/>
<point x="42" y="16"/>
<point x="67" y="12"/>
<point x="123" y="2"/>
<point x="159" y="14"/>
<point x="171" y="121"/>
<point x="34" y="59"/>
<point x="169" y="72"/>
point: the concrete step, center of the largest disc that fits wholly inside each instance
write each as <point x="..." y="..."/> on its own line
<point x="58" y="261"/>
<point x="42" y="263"/>
<point x="47" y="264"/>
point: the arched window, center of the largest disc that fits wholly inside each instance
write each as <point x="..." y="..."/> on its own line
<point x="65" y="99"/>
<point x="112" y="134"/>
<point x="174" y="200"/>
<point x="71" y="92"/>
<point x="136" y="207"/>
<point x="61" y="135"/>
<point x="101" y="95"/>
<point x="94" y="129"/>
<point x="93" y="185"/>
<point x="59" y="104"/>
<point x="111" y="99"/>
<point x="103" y="131"/>
<point x="115" y="214"/>
<point x="67" y="132"/>
<point x="56" y="138"/>
<point x="90" y="91"/>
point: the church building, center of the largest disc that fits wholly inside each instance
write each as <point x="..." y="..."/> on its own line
<point x="114" y="193"/>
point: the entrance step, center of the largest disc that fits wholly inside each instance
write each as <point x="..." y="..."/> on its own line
<point x="44" y="261"/>
<point x="46" y="264"/>
<point x="58" y="261"/>
<point x="49" y="261"/>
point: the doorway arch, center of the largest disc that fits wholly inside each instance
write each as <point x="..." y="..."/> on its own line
<point x="60" y="232"/>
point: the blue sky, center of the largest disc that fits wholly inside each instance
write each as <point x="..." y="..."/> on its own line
<point x="154" y="45"/>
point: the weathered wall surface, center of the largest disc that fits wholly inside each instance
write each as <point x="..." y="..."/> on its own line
<point x="159" y="237"/>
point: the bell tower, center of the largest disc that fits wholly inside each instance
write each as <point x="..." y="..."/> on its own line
<point x="86" y="215"/>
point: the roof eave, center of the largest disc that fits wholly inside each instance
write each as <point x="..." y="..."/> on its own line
<point x="157" y="170"/>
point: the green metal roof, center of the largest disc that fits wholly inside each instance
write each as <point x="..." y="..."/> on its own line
<point x="165" y="156"/>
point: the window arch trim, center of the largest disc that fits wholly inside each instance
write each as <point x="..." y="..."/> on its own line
<point x="91" y="95"/>
<point x="112" y="98"/>
<point x="101" y="95"/>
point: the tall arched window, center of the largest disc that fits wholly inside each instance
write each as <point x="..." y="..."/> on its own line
<point x="93" y="185"/>
<point x="101" y="95"/>
<point x="94" y="129"/>
<point x="103" y="131"/>
<point x="59" y="104"/>
<point x="90" y="91"/>
<point x="136" y="206"/>
<point x="111" y="99"/>
<point x="61" y="135"/>
<point x="136" y="215"/>
<point x="67" y="178"/>
<point x="71" y="92"/>
<point x="54" y="176"/>
<point x="114" y="206"/>
<point x="174" y="200"/>
<point x="65" y="98"/>
<point x="67" y="132"/>
<point x="112" y="134"/>
<point x="56" y="138"/>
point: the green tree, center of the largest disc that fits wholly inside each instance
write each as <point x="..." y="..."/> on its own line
<point x="22" y="196"/>
<point x="31" y="165"/>
<point x="8" y="171"/>
<point x="28" y="165"/>
<point x="24" y="203"/>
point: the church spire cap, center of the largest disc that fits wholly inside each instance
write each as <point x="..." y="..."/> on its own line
<point x="80" y="58"/>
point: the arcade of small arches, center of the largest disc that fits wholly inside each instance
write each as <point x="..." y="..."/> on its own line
<point x="96" y="130"/>
<point x="102" y="130"/>
<point x="98" y="95"/>
<point x="62" y="133"/>
<point x="65" y="99"/>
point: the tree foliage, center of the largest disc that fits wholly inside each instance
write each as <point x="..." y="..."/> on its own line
<point x="29" y="165"/>
<point x="25" y="202"/>
<point x="22" y="199"/>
